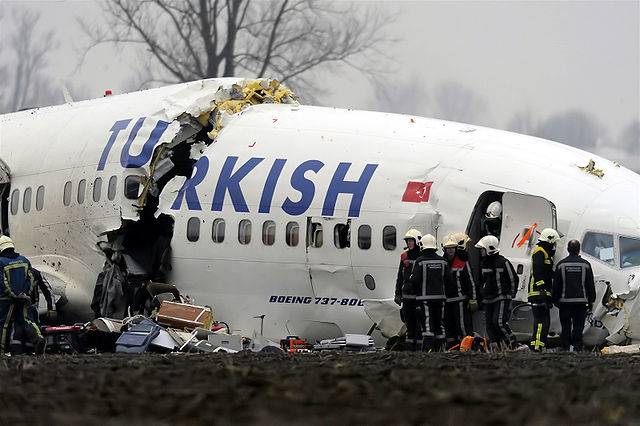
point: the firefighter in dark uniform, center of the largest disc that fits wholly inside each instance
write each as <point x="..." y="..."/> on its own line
<point x="404" y="295"/>
<point x="498" y="287"/>
<point x="540" y="286"/>
<point x="429" y="278"/>
<point x="460" y="291"/>
<point x="574" y="293"/>
<point x="18" y="316"/>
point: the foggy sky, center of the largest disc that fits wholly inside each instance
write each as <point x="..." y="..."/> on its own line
<point x="483" y="62"/>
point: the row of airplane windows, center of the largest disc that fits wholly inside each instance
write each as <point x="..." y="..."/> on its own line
<point x="341" y="234"/>
<point x="131" y="188"/>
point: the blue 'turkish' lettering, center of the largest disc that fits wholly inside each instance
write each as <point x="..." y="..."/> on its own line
<point x="188" y="189"/>
<point x="303" y="185"/>
<point x="340" y="186"/>
<point x="132" y="161"/>
<point x="117" y="127"/>
<point x="270" y="185"/>
<point x="229" y="181"/>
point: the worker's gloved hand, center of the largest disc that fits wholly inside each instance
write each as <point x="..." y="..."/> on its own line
<point x="398" y="300"/>
<point x="52" y="315"/>
<point x="473" y="305"/>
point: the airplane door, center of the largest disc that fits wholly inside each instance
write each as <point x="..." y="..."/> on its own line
<point x="329" y="257"/>
<point x="5" y="185"/>
<point x="522" y="216"/>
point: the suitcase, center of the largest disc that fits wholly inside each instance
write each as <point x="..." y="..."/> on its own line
<point x="181" y="315"/>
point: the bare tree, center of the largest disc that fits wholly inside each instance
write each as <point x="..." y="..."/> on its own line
<point x="24" y="55"/>
<point x="573" y="127"/>
<point x="286" y="39"/>
<point x="523" y="122"/>
<point x="629" y="140"/>
<point x="455" y="102"/>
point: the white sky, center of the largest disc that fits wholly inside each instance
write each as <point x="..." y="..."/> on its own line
<point x="547" y="56"/>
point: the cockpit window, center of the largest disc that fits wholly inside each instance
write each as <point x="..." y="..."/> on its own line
<point x="629" y="252"/>
<point x="600" y="246"/>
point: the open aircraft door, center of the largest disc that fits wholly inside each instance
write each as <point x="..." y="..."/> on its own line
<point x="5" y="185"/>
<point x="523" y="217"/>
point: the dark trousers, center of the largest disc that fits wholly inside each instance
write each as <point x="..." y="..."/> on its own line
<point x="432" y="316"/>
<point x="19" y="330"/>
<point x="410" y="315"/>
<point x="572" y="318"/>
<point x="497" y="315"/>
<point x="457" y="321"/>
<point x="541" y="321"/>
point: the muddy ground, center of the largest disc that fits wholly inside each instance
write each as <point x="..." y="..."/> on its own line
<point x="381" y="388"/>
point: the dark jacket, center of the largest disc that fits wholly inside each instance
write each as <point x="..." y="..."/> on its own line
<point x="430" y="276"/>
<point x="573" y="281"/>
<point x="499" y="279"/>
<point x="461" y="285"/>
<point x="17" y="280"/>
<point x="540" y="283"/>
<point x="407" y="258"/>
<point x="43" y="287"/>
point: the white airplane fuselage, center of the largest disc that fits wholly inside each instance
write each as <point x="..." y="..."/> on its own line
<point x="284" y="166"/>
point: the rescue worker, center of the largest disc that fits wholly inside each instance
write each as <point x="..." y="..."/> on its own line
<point x="404" y="295"/>
<point x="493" y="219"/>
<point x="574" y="293"/>
<point x="429" y="278"/>
<point x="540" y="286"/>
<point x="498" y="287"/>
<point x="459" y="292"/>
<point x="42" y="286"/>
<point x="18" y="316"/>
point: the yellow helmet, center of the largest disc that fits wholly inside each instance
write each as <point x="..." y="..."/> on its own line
<point x="461" y="239"/>
<point x="449" y="242"/>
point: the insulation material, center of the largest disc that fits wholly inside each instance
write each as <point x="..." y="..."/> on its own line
<point x="591" y="169"/>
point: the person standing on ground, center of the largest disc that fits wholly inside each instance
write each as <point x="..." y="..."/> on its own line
<point x="574" y="293"/>
<point x="18" y="317"/>
<point x="460" y="291"/>
<point x="404" y="295"/>
<point x="429" y="278"/>
<point x="540" y="285"/>
<point x="498" y="287"/>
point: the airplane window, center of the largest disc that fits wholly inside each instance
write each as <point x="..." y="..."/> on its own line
<point x="132" y="187"/>
<point x="629" y="252"/>
<point x="193" y="229"/>
<point x="97" y="189"/>
<point x="315" y="235"/>
<point x="82" y="188"/>
<point x="341" y="235"/>
<point x="15" y="198"/>
<point x="389" y="239"/>
<point x="268" y="233"/>
<point x="40" y="198"/>
<point x="600" y="246"/>
<point x="364" y="237"/>
<point x="292" y="235"/>
<point x="26" y="200"/>
<point x="244" y="231"/>
<point x="66" y="197"/>
<point x="217" y="230"/>
<point x="111" y="190"/>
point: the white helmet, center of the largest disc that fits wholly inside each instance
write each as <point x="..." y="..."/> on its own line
<point x="5" y="243"/>
<point x="549" y="235"/>
<point x="489" y="243"/>
<point x="461" y="239"/>
<point x="413" y="233"/>
<point x="449" y="242"/>
<point x="428" y="242"/>
<point x="494" y="210"/>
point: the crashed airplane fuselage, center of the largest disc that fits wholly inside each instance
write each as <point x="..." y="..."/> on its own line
<point x="256" y="205"/>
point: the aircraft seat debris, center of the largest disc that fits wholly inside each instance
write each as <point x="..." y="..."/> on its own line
<point x="592" y="170"/>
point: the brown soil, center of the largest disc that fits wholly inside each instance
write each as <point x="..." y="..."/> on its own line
<point x="382" y="388"/>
